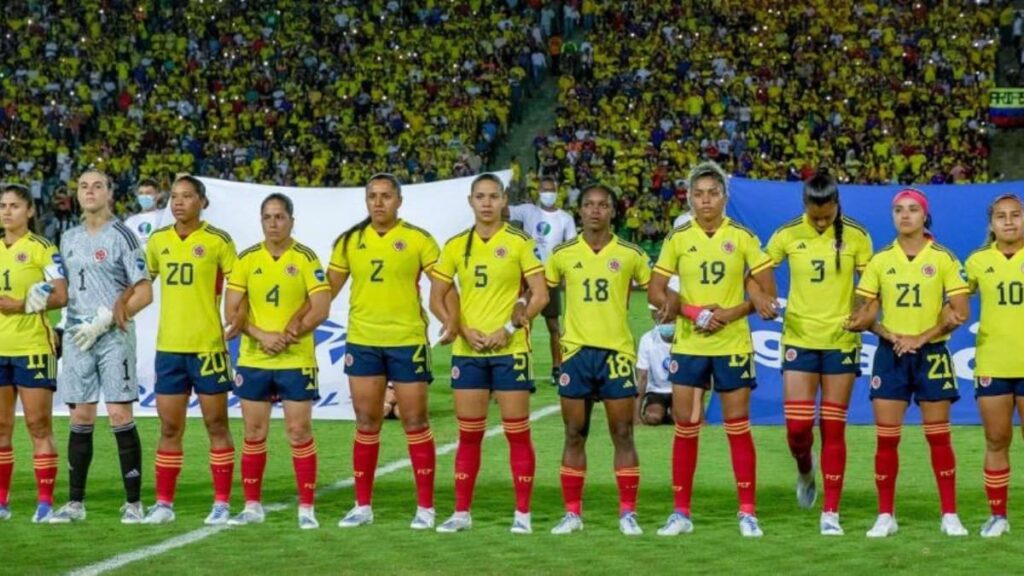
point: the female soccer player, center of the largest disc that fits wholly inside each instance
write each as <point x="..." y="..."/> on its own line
<point x="192" y="258"/>
<point x="31" y="283"/>
<point x="492" y="351"/>
<point x="598" y="269"/>
<point x="996" y="274"/>
<point x="276" y="360"/>
<point x="387" y="340"/>
<point x="824" y="249"/>
<point x="712" y="256"/>
<point x="104" y="262"/>
<point x="911" y="278"/>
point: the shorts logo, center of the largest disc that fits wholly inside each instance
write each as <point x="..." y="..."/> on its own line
<point x="673" y="367"/>
<point x="500" y="252"/>
<point x="399" y="245"/>
<point x="349" y="360"/>
<point x="876" y="382"/>
<point x="291" y="270"/>
<point x="614" y="265"/>
<point x="239" y="380"/>
<point x="198" y="251"/>
<point x="790" y="354"/>
<point x="319" y="275"/>
<point x="985" y="381"/>
<point x="21" y="257"/>
<point x="928" y="270"/>
<point x="455" y="372"/>
<point x="100" y="255"/>
<point x="728" y="247"/>
<point x="564" y="380"/>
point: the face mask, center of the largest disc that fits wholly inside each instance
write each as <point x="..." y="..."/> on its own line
<point x="667" y="331"/>
<point x="146" y="202"/>
<point x="547" y="199"/>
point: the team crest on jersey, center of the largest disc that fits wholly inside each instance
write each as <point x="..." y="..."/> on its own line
<point x="500" y="252"/>
<point x="564" y="379"/>
<point x="21" y="257"/>
<point x="399" y="245"/>
<point x="876" y="382"/>
<point x="198" y="251"/>
<point x="790" y="354"/>
<point x="673" y="367"/>
<point x="728" y="247"/>
<point x="239" y="380"/>
<point x="100" y="255"/>
<point x="291" y="270"/>
<point x="614" y="265"/>
<point x="985" y="381"/>
<point x="928" y="270"/>
<point x="349" y="360"/>
<point x="455" y="372"/>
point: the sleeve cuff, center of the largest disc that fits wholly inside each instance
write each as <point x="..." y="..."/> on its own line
<point x="762" y="266"/>
<point x="532" y="271"/>
<point x="958" y="291"/>
<point x="336" y="268"/>
<point x="236" y="288"/>
<point x="663" y="271"/>
<point x="319" y="288"/>
<point x="866" y="293"/>
<point x="440" y="275"/>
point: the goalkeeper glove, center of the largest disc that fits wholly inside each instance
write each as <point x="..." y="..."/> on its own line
<point x="37" y="296"/>
<point x="84" y="335"/>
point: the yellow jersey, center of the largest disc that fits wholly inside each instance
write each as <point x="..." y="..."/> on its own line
<point x="999" y="282"/>
<point x="385" y="307"/>
<point x="597" y="289"/>
<point x="820" y="296"/>
<point x="30" y="260"/>
<point x="192" y="272"/>
<point x="912" y="291"/>
<point x="712" y="270"/>
<point x="490" y="280"/>
<point x="277" y="289"/>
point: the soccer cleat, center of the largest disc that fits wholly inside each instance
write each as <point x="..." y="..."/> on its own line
<point x="44" y="513"/>
<point x="132" y="513"/>
<point x="424" y="519"/>
<point x="159" y="513"/>
<point x="569" y="523"/>
<point x="459" y="522"/>
<point x="220" y="514"/>
<point x="251" y="514"/>
<point x="629" y="526"/>
<point x="307" y="518"/>
<point x="5" y="512"/>
<point x="71" y="512"/>
<point x="677" y="523"/>
<point x="806" y="491"/>
<point x="521" y="523"/>
<point x="748" y="526"/>
<point x="885" y="525"/>
<point x="995" y="527"/>
<point x="951" y="525"/>
<point x="357" y="516"/>
<point x="830" y="524"/>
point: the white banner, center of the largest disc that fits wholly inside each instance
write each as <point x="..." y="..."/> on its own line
<point x="321" y="214"/>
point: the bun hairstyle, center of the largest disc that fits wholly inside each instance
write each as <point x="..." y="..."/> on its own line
<point x="822" y="189"/>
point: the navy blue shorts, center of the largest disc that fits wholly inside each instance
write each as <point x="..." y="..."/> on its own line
<point x="508" y="373"/>
<point x="597" y="373"/>
<point x="33" y="371"/>
<point x="264" y="385"/>
<point x="830" y="362"/>
<point x="988" y="386"/>
<point x="924" y="377"/>
<point x="206" y="373"/>
<point x="727" y="372"/>
<point x="396" y="363"/>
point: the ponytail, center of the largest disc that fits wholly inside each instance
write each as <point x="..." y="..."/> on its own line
<point x="822" y="189"/>
<point x="344" y="237"/>
<point x="837" y="227"/>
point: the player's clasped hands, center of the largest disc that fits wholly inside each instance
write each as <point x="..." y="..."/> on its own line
<point x="767" y="307"/>
<point x="903" y="344"/>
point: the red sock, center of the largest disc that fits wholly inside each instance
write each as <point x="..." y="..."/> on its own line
<point x="628" y="480"/>
<point x="572" y="488"/>
<point x="467" y="460"/>
<point x="168" y="466"/>
<point x="46" y="475"/>
<point x="887" y="466"/>
<point x="304" y="463"/>
<point x="522" y="460"/>
<point x="744" y="462"/>
<point x="833" y="453"/>
<point x="365" y="451"/>
<point x="943" y="463"/>
<point x="254" y="462"/>
<point x="997" y="484"/>
<point x="424" y="460"/>
<point x="222" y="468"/>
<point x="800" y="432"/>
<point x="6" y="470"/>
<point x="684" y="464"/>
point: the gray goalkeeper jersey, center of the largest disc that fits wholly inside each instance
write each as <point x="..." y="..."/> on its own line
<point x="99" y="267"/>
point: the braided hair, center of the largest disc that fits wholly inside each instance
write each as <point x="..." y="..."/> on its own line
<point x="822" y="189"/>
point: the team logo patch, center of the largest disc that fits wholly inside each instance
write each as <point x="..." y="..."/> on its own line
<point x="100" y="255"/>
<point x="673" y="367"/>
<point x="790" y="354"/>
<point x="728" y="247"/>
<point x="564" y="380"/>
<point x="319" y="274"/>
<point x="239" y="380"/>
<point x="291" y="270"/>
<point x="21" y="257"/>
<point x="876" y="382"/>
<point x="928" y="270"/>
<point x="140" y="264"/>
<point x="145" y="228"/>
<point x="985" y="381"/>
<point x="455" y="372"/>
<point x="198" y="251"/>
<point x="399" y="245"/>
<point x="614" y="265"/>
<point x="349" y="360"/>
<point x="57" y="259"/>
<point x="543" y="228"/>
<point x="500" y="252"/>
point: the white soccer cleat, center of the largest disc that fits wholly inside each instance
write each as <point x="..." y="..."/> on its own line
<point x="521" y="523"/>
<point x="132" y="513"/>
<point x="995" y="527"/>
<point x="951" y="526"/>
<point x="569" y="523"/>
<point x="885" y="525"/>
<point x="307" y="518"/>
<point x="5" y="512"/>
<point x="252" y="514"/>
<point x="219" y="514"/>
<point x="629" y="526"/>
<point x="424" y="519"/>
<point x="459" y="522"/>
<point x="830" y="524"/>
<point x="71" y="512"/>
<point x="159" y="513"/>
<point x="806" y="490"/>
<point x="44" y="513"/>
<point x="677" y="523"/>
<point x="749" y="528"/>
<point x="357" y="516"/>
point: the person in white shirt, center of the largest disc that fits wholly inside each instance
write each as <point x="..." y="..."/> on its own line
<point x="146" y="222"/>
<point x="653" y="356"/>
<point x="549" y="226"/>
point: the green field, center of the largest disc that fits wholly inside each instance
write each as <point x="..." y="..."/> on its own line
<point x="791" y="543"/>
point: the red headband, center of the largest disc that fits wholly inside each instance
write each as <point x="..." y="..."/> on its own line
<point x="914" y="195"/>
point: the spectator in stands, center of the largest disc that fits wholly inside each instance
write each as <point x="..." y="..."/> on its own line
<point x="150" y="217"/>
